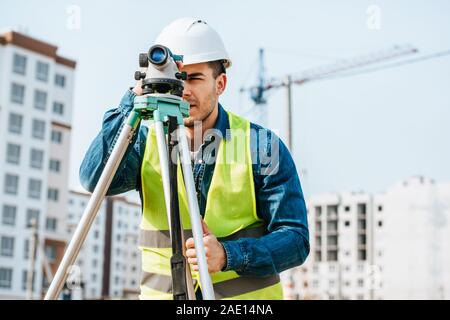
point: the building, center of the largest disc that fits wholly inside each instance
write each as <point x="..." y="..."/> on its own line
<point x="36" y="100"/>
<point x="109" y="264"/>
<point x="391" y="245"/>
<point x="342" y="248"/>
<point x="415" y="258"/>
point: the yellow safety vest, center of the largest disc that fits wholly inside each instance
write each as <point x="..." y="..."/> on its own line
<point x="230" y="214"/>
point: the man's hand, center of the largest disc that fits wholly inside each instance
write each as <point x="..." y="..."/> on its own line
<point x="138" y="87"/>
<point x="215" y="253"/>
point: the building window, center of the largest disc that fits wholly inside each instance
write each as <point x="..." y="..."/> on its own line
<point x="332" y="283"/>
<point x="56" y="136"/>
<point x="332" y="240"/>
<point x="362" y="208"/>
<point x="94" y="277"/>
<point x="347" y="208"/>
<point x="50" y="224"/>
<point x="360" y="283"/>
<point x="11" y="184"/>
<point x="318" y="212"/>
<point x="42" y="71"/>
<point x="50" y="253"/>
<point x="26" y="249"/>
<point x="362" y="225"/>
<point x="36" y="158"/>
<point x="96" y="234"/>
<point x="53" y="194"/>
<point x="380" y="208"/>
<point x="25" y="280"/>
<point x="380" y="224"/>
<point x="5" y="278"/>
<point x="17" y="93"/>
<point x="15" y="123"/>
<point x="20" y="64"/>
<point x="361" y="239"/>
<point x="9" y="215"/>
<point x="7" y="246"/>
<point x="58" y="108"/>
<point x="95" y="248"/>
<point x="347" y="223"/>
<point x="318" y="255"/>
<point x="332" y="212"/>
<point x="32" y="214"/>
<point x="13" y="153"/>
<point x="318" y="241"/>
<point x="34" y="188"/>
<point x="60" y="80"/>
<point x="332" y="226"/>
<point x="38" y="129"/>
<point x="360" y="297"/>
<point x="40" y="99"/>
<point x="94" y="263"/>
<point x="315" y="284"/>
<point x="55" y="165"/>
<point x="332" y="255"/>
<point x="362" y="255"/>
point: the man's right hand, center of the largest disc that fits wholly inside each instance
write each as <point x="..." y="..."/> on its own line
<point x="137" y="88"/>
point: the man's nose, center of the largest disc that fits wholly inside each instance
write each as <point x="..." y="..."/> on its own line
<point x="186" y="91"/>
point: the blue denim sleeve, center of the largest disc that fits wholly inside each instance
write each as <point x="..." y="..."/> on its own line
<point x="128" y="172"/>
<point x="280" y="203"/>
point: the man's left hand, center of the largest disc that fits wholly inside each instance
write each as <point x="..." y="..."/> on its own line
<point x="214" y="251"/>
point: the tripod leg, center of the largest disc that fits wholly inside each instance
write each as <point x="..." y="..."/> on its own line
<point x="164" y="165"/>
<point x="73" y="249"/>
<point x="177" y="261"/>
<point x="194" y="212"/>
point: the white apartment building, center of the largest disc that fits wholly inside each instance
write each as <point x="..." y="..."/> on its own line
<point x="416" y="244"/>
<point x="109" y="262"/>
<point x="392" y="245"/>
<point x="36" y="99"/>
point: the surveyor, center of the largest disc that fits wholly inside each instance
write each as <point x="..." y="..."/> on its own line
<point x="253" y="210"/>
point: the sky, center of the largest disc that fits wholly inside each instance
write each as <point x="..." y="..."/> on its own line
<point x="357" y="133"/>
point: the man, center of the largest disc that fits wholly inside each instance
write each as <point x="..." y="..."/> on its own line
<point x="254" y="213"/>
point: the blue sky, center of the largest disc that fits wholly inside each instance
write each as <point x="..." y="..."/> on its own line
<point x="356" y="133"/>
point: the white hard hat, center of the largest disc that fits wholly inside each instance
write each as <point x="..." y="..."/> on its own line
<point x="195" y="40"/>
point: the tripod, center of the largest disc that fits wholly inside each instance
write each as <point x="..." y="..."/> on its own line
<point x="167" y="111"/>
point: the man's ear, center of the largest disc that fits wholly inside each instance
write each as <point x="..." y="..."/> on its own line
<point x="221" y="83"/>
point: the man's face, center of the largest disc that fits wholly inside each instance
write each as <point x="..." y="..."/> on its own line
<point x="202" y="91"/>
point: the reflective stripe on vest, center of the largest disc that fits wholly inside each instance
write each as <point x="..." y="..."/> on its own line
<point x="230" y="214"/>
<point x="161" y="238"/>
<point x="223" y="290"/>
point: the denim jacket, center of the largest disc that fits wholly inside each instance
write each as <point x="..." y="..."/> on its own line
<point x="279" y="197"/>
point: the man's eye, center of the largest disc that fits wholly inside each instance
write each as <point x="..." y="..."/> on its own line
<point x="195" y="79"/>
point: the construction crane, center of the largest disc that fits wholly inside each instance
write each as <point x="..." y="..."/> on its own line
<point x="258" y="92"/>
